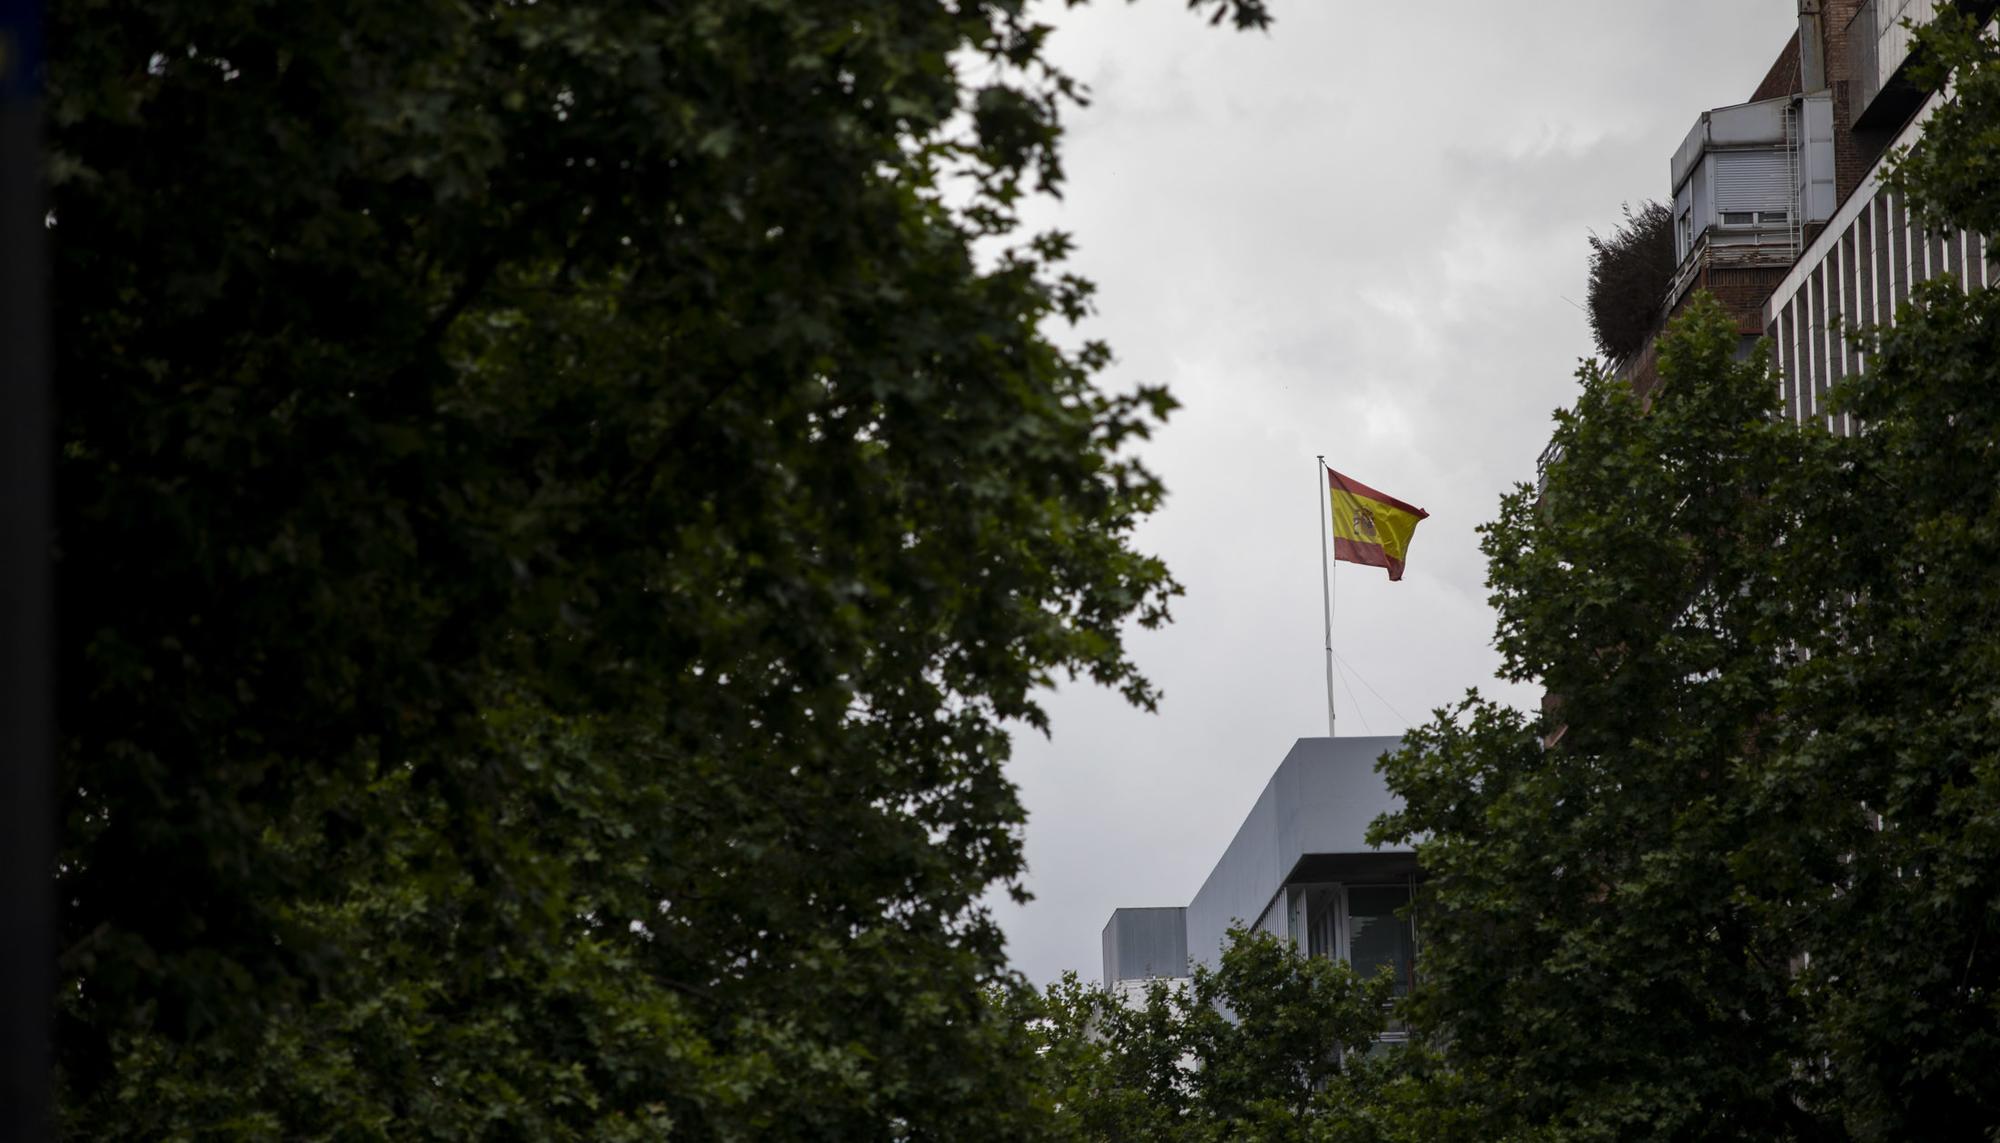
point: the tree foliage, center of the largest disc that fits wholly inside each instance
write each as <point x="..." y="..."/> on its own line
<point x="1890" y="734"/>
<point x="1586" y="946"/>
<point x="1630" y="273"/>
<point x="553" y="517"/>
<point x="1269" y="1044"/>
<point x="1737" y="880"/>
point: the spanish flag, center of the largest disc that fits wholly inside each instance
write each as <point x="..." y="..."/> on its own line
<point x="1368" y="527"/>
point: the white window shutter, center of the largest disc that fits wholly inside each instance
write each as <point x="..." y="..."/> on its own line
<point x="1752" y="180"/>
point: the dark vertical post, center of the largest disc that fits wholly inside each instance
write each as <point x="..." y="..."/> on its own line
<point x="27" y="811"/>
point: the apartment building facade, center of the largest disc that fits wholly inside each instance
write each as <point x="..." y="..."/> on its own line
<point x="1780" y="208"/>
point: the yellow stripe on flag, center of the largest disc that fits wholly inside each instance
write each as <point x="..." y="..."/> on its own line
<point x="1370" y="527"/>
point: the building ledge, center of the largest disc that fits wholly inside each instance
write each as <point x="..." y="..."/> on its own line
<point x="1721" y="250"/>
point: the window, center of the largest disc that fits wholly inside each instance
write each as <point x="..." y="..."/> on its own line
<point x="1323" y="920"/>
<point x="1377" y="938"/>
<point x="1749" y="183"/>
<point x="1755" y="217"/>
<point x="1357" y="924"/>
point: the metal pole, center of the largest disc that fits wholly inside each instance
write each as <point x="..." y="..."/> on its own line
<point x="1326" y="593"/>
<point x="27" y="814"/>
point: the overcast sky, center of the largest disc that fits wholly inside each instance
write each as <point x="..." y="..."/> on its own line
<point x="1363" y="235"/>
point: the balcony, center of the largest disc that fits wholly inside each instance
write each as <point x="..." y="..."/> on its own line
<point x="1747" y="180"/>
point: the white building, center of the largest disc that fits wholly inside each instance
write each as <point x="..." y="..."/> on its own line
<point x="1299" y="866"/>
<point x="1861" y="265"/>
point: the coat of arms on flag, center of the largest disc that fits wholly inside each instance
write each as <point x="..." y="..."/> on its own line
<point x="1370" y="527"/>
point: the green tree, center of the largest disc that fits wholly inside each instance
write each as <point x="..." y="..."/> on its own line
<point x="1893" y="722"/>
<point x="1737" y="880"/>
<point x="1585" y="948"/>
<point x="1269" y="1044"/>
<point x="1873" y="849"/>
<point x="1630" y="275"/>
<point x="553" y="518"/>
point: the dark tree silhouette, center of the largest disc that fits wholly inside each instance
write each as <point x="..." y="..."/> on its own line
<point x="1629" y="275"/>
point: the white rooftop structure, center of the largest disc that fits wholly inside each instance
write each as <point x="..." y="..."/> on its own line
<point x="1299" y="866"/>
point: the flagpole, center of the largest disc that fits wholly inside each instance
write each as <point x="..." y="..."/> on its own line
<point x="1326" y="593"/>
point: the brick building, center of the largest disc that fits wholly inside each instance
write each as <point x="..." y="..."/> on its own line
<point x="1779" y="209"/>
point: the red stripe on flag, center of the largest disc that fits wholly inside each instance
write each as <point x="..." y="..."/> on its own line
<point x="1355" y="488"/>
<point x="1370" y="554"/>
